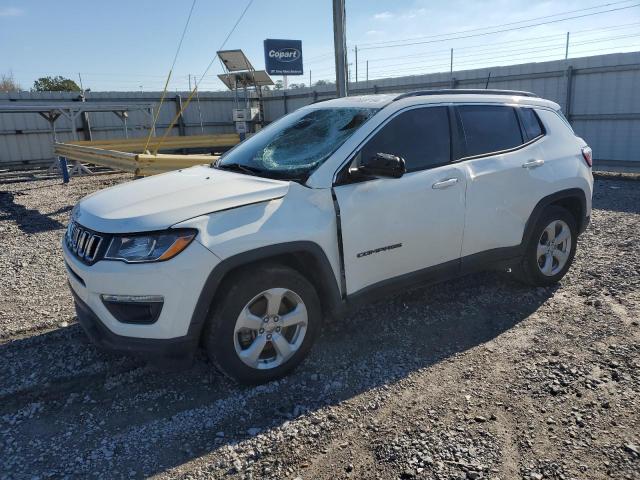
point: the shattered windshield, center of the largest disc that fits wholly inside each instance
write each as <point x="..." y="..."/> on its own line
<point x="293" y="146"/>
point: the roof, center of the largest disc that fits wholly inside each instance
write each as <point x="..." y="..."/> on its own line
<point x="465" y="91"/>
<point x="439" y="96"/>
<point x="76" y="106"/>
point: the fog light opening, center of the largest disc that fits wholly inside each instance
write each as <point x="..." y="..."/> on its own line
<point x="137" y="309"/>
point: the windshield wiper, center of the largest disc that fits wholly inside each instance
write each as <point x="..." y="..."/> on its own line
<point x="240" y="168"/>
<point x="257" y="172"/>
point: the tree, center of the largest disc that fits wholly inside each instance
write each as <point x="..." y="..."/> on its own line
<point x="8" y="83"/>
<point x="297" y="85"/>
<point x="55" y="84"/>
<point x="279" y="85"/>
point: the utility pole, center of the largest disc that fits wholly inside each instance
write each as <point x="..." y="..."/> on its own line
<point x="367" y="73"/>
<point x="566" y="49"/>
<point x="356" y="64"/>
<point x="451" y="70"/>
<point x="309" y="78"/>
<point x="86" y="124"/>
<point x="189" y="82"/>
<point x="340" y="47"/>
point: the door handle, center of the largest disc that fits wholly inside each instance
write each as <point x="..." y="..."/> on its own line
<point x="533" y="163"/>
<point x="449" y="182"/>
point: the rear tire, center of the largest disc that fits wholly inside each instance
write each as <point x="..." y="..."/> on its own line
<point x="551" y="248"/>
<point x="264" y="325"/>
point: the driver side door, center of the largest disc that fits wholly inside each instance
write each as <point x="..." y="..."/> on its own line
<point x="409" y="227"/>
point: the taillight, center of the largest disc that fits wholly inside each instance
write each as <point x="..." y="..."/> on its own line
<point x="587" y="154"/>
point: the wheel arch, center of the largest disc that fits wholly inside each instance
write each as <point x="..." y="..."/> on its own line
<point x="573" y="199"/>
<point x="306" y="257"/>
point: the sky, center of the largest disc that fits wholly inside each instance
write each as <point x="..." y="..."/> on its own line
<point x="129" y="45"/>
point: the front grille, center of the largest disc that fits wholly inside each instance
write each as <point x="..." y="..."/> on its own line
<point x="84" y="243"/>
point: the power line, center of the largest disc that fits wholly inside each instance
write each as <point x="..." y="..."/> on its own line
<point x="483" y="47"/>
<point x="197" y="83"/>
<point x="329" y="54"/>
<point x="519" y="50"/>
<point x="500" y="31"/>
<point x="529" y="40"/>
<point x="233" y="29"/>
<point x="485" y="58"/>
<point x="166" y="83"/>
<point x="489" y="63"/>
<point x="319" y="56"/>
<point x="477" y="53"/>
<point x="429" y="54"/>
<point x="492" y="49"/>
<point x="613" y="27"/>
<point x="497" y="26"/>
<point x="478" y="49"/>
<point x="184" y="32"/>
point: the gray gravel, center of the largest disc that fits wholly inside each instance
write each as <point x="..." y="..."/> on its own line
<point x="33" y="215"/>
<point x="475" y="378"/>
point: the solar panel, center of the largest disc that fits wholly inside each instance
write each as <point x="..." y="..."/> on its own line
<point x="235" y="60"/>
<point x="262" y="78"/>
<point x="235" y="80"/>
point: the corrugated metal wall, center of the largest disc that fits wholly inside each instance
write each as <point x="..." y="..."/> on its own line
<point x="600" y="95"/>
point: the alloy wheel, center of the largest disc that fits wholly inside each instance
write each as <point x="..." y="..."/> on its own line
<point x="554" y="248"/>
<point x="270" y="328"/>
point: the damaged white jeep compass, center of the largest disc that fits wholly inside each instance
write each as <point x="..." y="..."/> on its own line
<point x="328" y="206"/>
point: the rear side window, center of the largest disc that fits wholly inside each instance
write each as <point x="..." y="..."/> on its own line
<point x="530" y="123"/>
<point x="489" y="128"/>
<point x="420" y="136"/>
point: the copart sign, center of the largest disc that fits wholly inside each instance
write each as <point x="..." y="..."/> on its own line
<point x="283" y="57"/>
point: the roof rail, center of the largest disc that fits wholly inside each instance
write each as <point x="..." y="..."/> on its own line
<point x="464" y="91"/>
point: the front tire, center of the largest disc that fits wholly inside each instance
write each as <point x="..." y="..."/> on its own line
<point x="264" y="325"/>
<point x="551" y="248"/>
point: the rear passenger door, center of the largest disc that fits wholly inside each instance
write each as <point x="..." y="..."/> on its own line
<point x="506" y="173"/>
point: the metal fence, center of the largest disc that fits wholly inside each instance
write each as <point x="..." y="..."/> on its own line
<point x="600" y="96"/>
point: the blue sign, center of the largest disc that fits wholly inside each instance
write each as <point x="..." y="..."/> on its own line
<point x="283" y="57"/>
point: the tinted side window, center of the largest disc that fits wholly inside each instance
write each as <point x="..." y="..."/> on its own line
<point x="420" y="136"/>
<point x="489" y="128"/>
<point x="531" y="123"/>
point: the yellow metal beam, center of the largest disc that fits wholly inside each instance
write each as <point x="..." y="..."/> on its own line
<point x="140" y="164"/>
<point x="170" y="143"/>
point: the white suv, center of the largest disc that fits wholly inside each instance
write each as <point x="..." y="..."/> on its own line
<point x="332" y="204"/>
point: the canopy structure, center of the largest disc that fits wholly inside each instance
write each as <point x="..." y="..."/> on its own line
<point x="122" y="153"/>
<point x="71" y="111"/>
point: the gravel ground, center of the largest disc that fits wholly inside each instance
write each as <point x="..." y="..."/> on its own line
<point x="475" y="378"/>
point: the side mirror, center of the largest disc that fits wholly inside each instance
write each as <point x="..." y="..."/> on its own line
<point x="383" y="165"/>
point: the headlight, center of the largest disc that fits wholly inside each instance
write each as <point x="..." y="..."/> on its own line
<point x="152" y="247"/>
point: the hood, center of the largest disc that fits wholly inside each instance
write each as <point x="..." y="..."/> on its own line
<point x="157" y="202"/>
